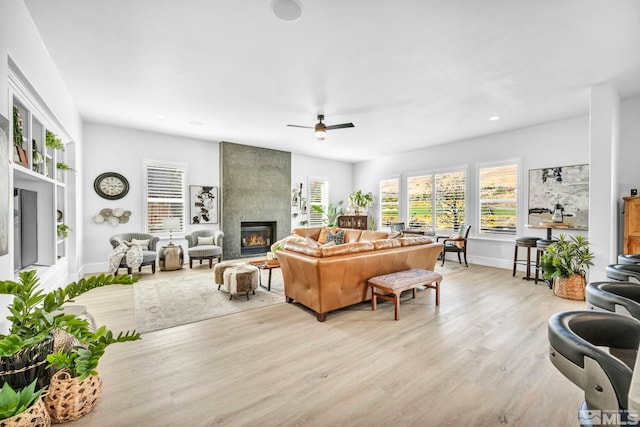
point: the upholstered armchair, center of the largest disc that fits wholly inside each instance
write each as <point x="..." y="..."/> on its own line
<point x="204" y="244"/>
<point x="149" y="253"/>
<point x="456" y="243"/>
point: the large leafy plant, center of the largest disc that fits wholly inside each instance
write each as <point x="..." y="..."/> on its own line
<point x="567" y="256"/>
<point x="361" y="200"/>
<point x="331" y="214"/>
<point x="34" y="313"/>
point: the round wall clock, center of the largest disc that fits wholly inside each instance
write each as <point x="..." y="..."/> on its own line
<point x="111" y="186"/>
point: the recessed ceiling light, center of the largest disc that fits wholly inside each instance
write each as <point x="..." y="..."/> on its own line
<point x="287" y="10"/>
<point x="196" y="123"/>
<point x="494" y="118"/>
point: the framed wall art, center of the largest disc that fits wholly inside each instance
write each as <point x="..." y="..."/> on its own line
<point x="203" y="202"/>
<point x="566" y="186"/>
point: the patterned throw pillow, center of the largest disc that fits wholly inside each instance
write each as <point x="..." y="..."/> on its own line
<point x="337" y="237"/>
<point x="205" y="240"/>
<point x="323" y="233"/>
<point x="144" y="244"/>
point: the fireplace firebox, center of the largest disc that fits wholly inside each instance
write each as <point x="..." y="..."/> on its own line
<point x="256" y="237"/>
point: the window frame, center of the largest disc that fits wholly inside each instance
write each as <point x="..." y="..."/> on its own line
<point x="518" y="200"/>
<point x="399" y="202"/>
<point x="147" y="163"/>
<point x="310" y="203"/>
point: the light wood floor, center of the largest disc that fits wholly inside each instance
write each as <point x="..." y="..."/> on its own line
<point x="479" y="359"/>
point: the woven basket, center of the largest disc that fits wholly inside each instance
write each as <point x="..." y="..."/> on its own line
<point x="571" y="287"/>
<point x="20" y="369"/>
<point x="68" y="399"/>
<point x="35" y="416"/>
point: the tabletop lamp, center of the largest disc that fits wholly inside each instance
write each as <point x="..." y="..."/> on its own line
<point x="171" y="224"/>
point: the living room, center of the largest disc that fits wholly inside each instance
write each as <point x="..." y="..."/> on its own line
<point x="603" y="133"/>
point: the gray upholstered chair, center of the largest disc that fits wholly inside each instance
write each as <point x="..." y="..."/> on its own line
<point x="149" y="254"/>
<point x="204" y="244"/>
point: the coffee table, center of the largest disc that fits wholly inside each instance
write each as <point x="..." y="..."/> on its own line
<point x="266" y="264"/>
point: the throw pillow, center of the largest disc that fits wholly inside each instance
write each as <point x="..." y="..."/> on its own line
<point x="323" y="233"/>
<point x="337" y="237"/>
<point x="460" y="243"/>
<point x="326" y="245"/>
<point x="205" y="240"/>
<point x="144" y="244"/>
<point x="310" y="242"/>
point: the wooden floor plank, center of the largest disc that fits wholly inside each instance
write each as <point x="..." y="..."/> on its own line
<point x="480" y="358"/>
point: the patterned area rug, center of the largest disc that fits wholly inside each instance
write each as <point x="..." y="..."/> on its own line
<point x="165" y="303"/>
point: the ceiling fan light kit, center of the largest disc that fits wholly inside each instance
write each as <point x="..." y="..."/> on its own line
<point x="320" y="129"/>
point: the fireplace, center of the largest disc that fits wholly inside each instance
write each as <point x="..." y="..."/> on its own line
<point x="256" y="237"/>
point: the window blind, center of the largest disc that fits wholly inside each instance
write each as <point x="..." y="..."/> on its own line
<point x="498" y="199"/>
<point x="318" y="196"/>
<point x="165" y="196"/>
<point x="389" y="201"/>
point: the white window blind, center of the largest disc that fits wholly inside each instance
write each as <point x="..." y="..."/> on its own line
<point x="420" y="202"/>
<point x="498" y="199"/>
<point x="318" y="196"/>
<point x="449" y="200"/>
<point x="165" y="196"/>
<point x="389" y="201"/>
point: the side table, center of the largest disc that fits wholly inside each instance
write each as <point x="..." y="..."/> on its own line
<point x="171" y="257"/>
<point x="264" y="264"/>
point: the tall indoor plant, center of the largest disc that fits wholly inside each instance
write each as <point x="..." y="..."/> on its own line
<point x="331" y="214"/>
<point x="361" y="201"/>
<point x="565" y="262"/>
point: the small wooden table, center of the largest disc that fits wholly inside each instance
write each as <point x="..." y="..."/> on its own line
<point x="266" y="264"/>
<point x="393" y="284"/>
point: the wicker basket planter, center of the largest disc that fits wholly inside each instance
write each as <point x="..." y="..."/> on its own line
<point x="20" y="369"/>
<point x="68" y="399"/>
<point x="571" y="287"/>
<point x="35" y="416"/>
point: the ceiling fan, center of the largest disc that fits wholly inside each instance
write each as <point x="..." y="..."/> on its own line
<point x="321" y="129"/>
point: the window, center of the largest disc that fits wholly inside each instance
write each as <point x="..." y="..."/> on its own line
<point x="498" y="199"/>
<point x="318" y="196"/>
<point x="389" y="201"/>
<point x="442" y="194"/>
<point x="165" y="196"/>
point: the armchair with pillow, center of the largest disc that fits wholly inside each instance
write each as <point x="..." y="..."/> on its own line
<point x="204" y="244"/>
<point x="147" y="242"/>
<point x="457" y="243"/>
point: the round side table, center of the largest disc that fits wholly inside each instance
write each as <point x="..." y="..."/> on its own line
<point x="171" y="257"/>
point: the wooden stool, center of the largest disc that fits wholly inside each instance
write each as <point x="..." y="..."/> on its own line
<point x="527" y="242"/>
<point x="393" y="284"/>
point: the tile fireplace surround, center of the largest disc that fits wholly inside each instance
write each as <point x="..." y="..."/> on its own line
<point x="256" y="187"/>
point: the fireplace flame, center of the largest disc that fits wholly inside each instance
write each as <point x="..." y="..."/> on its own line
<point x="254" y="239"/>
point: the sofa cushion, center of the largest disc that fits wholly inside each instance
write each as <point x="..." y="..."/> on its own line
<point x="369" y="235"/>
<point x="351" y="235"/>
<point x="303" y="248"/>
<point x="322" y="238"/>
<point x="347" y="248"/>
<point x="337" y="237"/>
<point x="312" y="232"/>
<point x="417" y="240"/>
<point x="386" y="244"/>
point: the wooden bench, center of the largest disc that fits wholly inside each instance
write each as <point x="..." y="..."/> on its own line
<point x="393" y="284"/>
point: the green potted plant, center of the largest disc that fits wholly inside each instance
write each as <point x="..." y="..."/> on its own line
<point x="53" y="142"/>
<point x="361" y="201"/>
<point x="330" y="216"/>
<point x="14" y="404"/>
<point x="565" y="261"/>
<point x="63" y="230"/>
<point x="34" y="315"/>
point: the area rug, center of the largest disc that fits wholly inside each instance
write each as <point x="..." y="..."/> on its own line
<point x="165" y="303"/>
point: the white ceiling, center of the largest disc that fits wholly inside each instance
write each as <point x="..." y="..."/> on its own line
<point x="407" y="73"/>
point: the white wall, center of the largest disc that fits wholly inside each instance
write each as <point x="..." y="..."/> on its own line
<point x="339" y="174"/>
<point x="122" y="150"/>
<point x="564" y="142"/>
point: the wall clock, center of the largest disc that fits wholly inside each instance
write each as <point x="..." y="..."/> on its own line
<point x="111" y="186"/>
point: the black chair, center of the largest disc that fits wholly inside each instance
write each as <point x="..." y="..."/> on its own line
<point x="616" y="297"/>
<point x="623" y="272"/>
<point x="456" y="243"/>
<point x="578" y="349"/>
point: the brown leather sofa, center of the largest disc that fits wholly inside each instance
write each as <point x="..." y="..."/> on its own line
<point x="329" y="278"/>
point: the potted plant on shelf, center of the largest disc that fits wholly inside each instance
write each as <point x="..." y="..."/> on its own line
<point x="63" y="230"/>
<point x="565" y="262"/>
<point x="34" y="318"/>
<point x="361" y="201"/>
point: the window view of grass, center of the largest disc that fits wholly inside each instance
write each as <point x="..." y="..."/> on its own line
<point x="498" y="199"/>
<point x="389" y="201"/>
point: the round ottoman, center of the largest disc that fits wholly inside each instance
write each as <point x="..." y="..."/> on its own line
<point x="241" y="279"/>
<point x="219" y="268"/>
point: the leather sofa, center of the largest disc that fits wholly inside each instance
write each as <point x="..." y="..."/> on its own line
<point x="329" y="278"/>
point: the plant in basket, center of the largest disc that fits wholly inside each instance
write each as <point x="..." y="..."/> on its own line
<point x="34" y="315"/>
<point x="565" y="262"/>
<point x="23" y="407"/>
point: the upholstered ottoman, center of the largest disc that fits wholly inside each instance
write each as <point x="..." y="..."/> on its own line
<point x="237" y="278"/>
<point x="219" y="268"/>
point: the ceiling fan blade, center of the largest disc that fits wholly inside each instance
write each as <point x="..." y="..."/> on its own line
<point x="340" y="126"/>
<point x="298" y="126"/>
